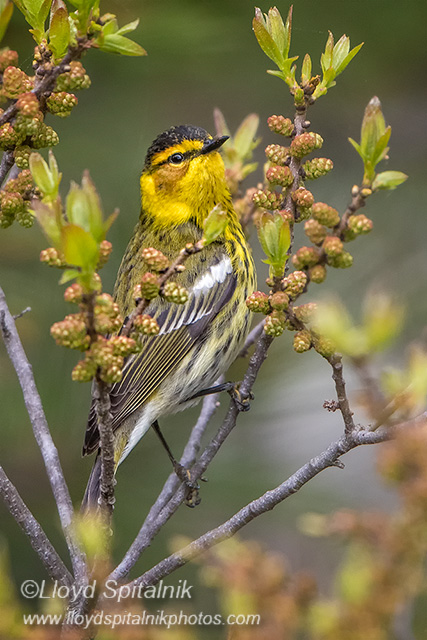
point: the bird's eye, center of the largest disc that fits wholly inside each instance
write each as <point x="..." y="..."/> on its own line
<point x="176" y="158"/>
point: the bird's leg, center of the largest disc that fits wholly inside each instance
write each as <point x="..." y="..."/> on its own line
<point x="192" y="488"/>
<point x="243" y="404"/>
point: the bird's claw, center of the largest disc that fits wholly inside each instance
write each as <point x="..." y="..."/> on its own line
<point x="192" y="498"/>
<point x="242" y="404"/>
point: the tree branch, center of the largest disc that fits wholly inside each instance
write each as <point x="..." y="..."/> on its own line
<point x="38" y="539"/>
<point x="328" y="458"/>
<point x="6" y="164"/>
<point x="101" y="396"/>
<point x="43" y="437"/>
<point x="337" y="374"/>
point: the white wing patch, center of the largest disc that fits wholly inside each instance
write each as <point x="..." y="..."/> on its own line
<point x="215" y="275"/>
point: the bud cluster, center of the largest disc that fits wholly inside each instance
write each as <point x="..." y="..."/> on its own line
<point x="305" y="143"/>
<point x="8" y="58"/>
<point x="267" y="199"/>
<point x="326" y="215"/>
<point x="107" y="318"/>
<point x="15" y="82"/>
<point x="148" y="287"/>
<point x="74" y="79"/>
<point x="275" y="324"/>
<point x="14" y="203"/>
<point x="302" y="341"/>
<point x="61" y="103"/>
<point x="155" y="259"/>
<point x="317" y="168"/>
<point x="105" y="249"/>
<point x="277" y="154"/>
<point x="173" y="292"/>
<point x="295" y="283"/>
<point x="305" y="257"/>
<point x="315" y="232"/>
<point x="278" y="175"/>
<point x="52" y="257"/>
<point x="280" y="124"/>
<point x="146" y="325"/>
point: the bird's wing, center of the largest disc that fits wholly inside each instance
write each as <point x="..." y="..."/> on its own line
<point x="180" y="327"/>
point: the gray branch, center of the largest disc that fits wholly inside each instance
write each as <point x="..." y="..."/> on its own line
<point x="38" y="539"/>
<point x="43" y="437"/>
<point x="330" y="457"/>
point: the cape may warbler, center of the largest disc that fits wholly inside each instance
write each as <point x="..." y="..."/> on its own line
<point x="182" y="180"/>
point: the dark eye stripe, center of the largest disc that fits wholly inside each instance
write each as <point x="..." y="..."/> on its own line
<point x="185" y="156"/>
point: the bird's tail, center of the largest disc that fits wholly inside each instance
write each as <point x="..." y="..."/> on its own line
<point x="91" y="496"/>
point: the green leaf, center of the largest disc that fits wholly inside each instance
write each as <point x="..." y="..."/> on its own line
<point x="69" y="274"/>
<point x="388" y="180"/>
<point x="243" y="141"/>
<point x="276" y="28"/>
<point x="306" y="69"/>
<point x="79" y="247"/>
<point x="275" y="239"/>
<point x="59" y="29"/>
<point x="220" y="123"/>
<point x="110" y="27"/>
<point x="46" y="178"/>
<point x="50" y="219"/>
<point x="264" y="38"/>
<point x="349" y="57"/>
<point x="356" y="146"/>
<point x="116" y="43"/>
<point x="5" y="17"/>
<point x="340" y="51"/>
<point x="127" y="28"/>
<point x="326" y="57"/>
<point x="215" y="224"/>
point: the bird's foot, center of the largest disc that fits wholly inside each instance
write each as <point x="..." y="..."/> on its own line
<point x="192" y="497"/>
<point x="242" y="403"/>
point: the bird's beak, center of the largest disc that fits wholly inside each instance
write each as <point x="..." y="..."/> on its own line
<point x="213" y="145"/>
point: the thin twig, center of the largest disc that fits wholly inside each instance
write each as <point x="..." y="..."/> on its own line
<point x="152" y="523"/>
<point x="101" y="396"/>
<point x="37" y="537"/>
<point x="43" y="437"/>
<point x="337" y="374"/>
<point x="328" y="458"/>
<point x="5" y="165"/>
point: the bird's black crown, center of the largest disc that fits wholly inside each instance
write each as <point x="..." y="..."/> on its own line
<point x="173" y="136"/>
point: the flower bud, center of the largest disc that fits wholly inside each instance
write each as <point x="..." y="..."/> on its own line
<point x="258" y="302"/>
<point x="275" y="324"/>
<point x="305" y="312"/>
<point x="51" y="257"/>
<point x="84" y="370"/>
<point x="317" y="273"/>
<point x="123" y="346"/>
<point x="294" y="284"/>
<point x="61" y="103"/>
<point x="302" y="341"/>
<point x="71" y="332"/>
<point x="279" y="301"/>
<point x="25" y="217"/>
<point x="317" y="168"/>
<point x="332" y="246"/>
<point x="8" y="58"/>
<point x="305" y="143"/>
<point x="146" y="325"/>
<point x="359" y="224"/>
<point x="277" y="154"/>
<point x="28" y="105"/>
<point x="105" y="249"/>
<point x="74" y="293"/>
<point x="324" y="346"/>
<point x="342" y="261"/>
<point x="267" y="199"/>
<point x="282" y="125"/>
<point x="9" y="137"/>
<point x="302" y="198"/>
<point x="44" y="137"/>
<point x="155" y="259"/>
<point x="281" y="176"/>
<point x="325" y="214"/>
<point x="315" y="232"/>
<point x="74" y="79"/>
<point x="22" y="156"/>
<point x="149" y="286"/>
<point x="15" y="82"/>
<point x="173" y="292"/>
<point x="305" y="257"/>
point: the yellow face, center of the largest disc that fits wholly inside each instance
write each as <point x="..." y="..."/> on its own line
<point x="183" y="182"/>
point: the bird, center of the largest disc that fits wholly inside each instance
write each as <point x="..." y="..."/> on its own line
<point x="182" y="180"/>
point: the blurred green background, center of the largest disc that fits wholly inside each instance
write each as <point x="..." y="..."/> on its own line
<point x="201" y="55"/>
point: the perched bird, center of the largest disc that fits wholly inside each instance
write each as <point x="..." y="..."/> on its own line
<point x="182" y="180"/>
